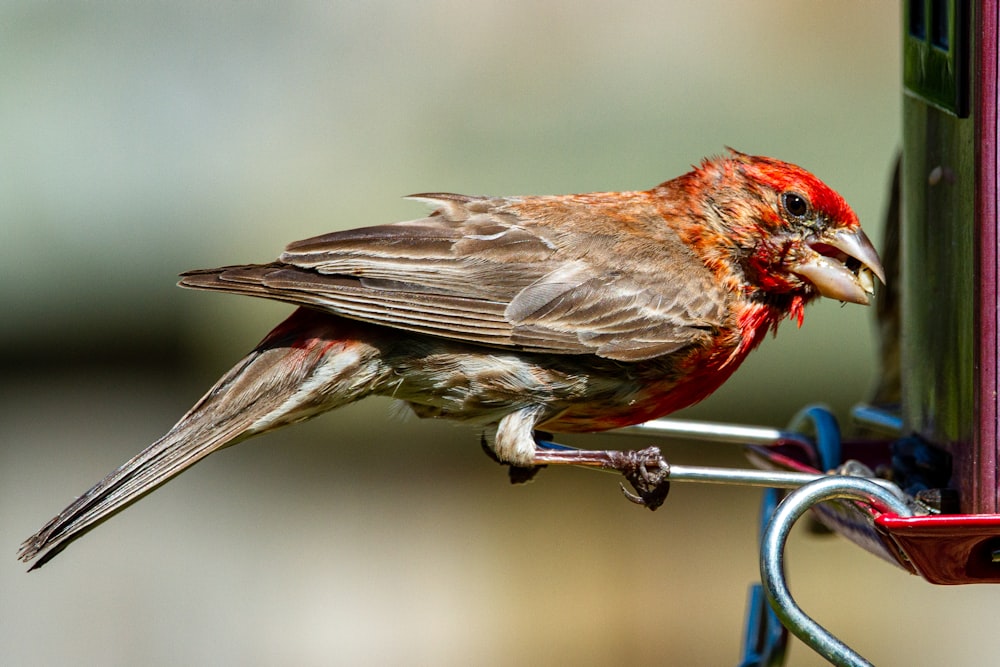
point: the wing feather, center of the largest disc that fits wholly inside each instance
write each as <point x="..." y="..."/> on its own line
<point x="484" y="271"/>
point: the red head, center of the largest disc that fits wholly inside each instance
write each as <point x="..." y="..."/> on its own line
<point x="774" y="228"/>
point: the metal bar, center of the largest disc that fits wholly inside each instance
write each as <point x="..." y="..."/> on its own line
<point x="765" y="478"/>
<point x="711" y="431"/>
<point x="987" y="115"/>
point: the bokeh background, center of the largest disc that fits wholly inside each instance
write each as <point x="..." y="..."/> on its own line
<point x="139" y="140"/>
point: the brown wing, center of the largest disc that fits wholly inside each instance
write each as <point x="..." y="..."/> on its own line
<point x="479" y="270"/>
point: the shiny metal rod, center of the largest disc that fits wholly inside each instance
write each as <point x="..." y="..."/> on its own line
<point x="710" y="431"/>
<point x="764" y="478"/>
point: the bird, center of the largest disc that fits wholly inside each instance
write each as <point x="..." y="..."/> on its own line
<point x="521" y="316"/>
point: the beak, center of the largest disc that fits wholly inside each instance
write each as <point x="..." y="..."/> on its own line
<point x="840" y="264"/>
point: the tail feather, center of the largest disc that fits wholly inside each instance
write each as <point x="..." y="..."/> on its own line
<point x="306" y="366"/>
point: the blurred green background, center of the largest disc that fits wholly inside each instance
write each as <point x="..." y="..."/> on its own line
<point x="141" y="140"/>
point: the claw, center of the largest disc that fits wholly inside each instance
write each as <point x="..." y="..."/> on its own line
<point x="631" y="497"/>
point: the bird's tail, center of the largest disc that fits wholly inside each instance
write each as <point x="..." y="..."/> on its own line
<point x="310" y="363"/>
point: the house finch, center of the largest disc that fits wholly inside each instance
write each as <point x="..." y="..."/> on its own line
<point x="566" y="314"/>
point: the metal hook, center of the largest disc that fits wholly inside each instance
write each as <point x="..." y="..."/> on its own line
<point x="772" y="557"/>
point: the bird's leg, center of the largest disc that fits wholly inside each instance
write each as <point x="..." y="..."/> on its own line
<point x="527" y="450"/>
<point x="645" y="469"/>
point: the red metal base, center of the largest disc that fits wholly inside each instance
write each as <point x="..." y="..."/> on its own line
<point x="946" y="549"/>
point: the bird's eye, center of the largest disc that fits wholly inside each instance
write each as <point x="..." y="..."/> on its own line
<point x="795" y="204"/>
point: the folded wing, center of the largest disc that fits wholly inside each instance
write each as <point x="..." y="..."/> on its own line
<point x="479" y="270"/>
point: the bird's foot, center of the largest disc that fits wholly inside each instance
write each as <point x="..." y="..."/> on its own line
<point x="651" y="484"/>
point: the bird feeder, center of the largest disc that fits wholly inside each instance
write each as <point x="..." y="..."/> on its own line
<point x="919" y="485"/>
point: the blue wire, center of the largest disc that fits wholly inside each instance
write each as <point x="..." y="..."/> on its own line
<point x="825" y="431"/>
